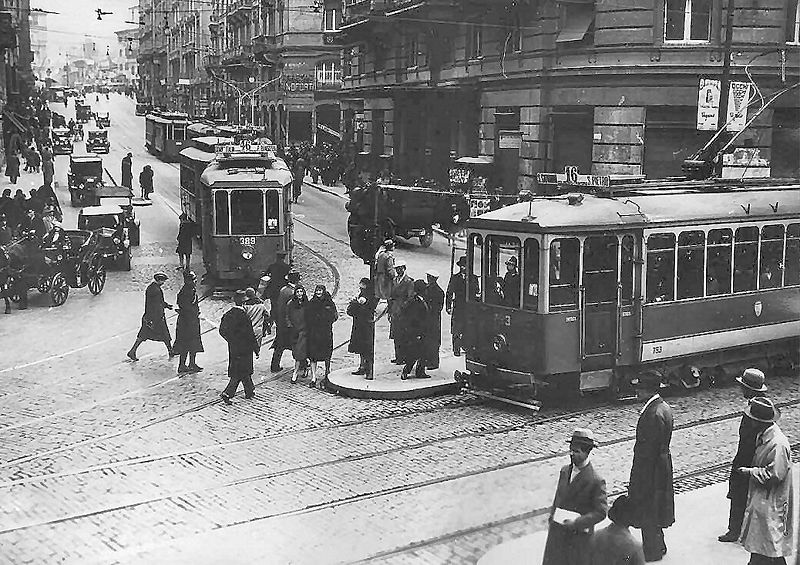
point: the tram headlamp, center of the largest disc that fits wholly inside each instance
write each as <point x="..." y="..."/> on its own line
<point x="247" y="253"/>
<point x="499" y="343"/>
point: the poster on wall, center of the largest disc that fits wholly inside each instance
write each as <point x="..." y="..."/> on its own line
<point x="708" y="105"/>
<point x="738" y="99"/>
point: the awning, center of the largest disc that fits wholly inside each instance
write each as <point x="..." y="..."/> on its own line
<point x="577" y="24"/>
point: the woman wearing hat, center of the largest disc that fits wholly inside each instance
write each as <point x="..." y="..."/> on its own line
<point x="320" y="313"/>
<point x="187" y="328"/>
<point x="154" y="322"/>
<point x="362" y="309"/>
<point x="767" y="526"/>
<point x="296" y="324"/>
<point x="614" y="544"/>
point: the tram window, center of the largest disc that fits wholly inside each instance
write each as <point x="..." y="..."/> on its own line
<point x="770" y="273"/>
<point x="247" y="212"/>
<point x="273" y="211"/>
<point x="168" y="131"/>
<point x="504" y="287"/>
<point x="719" y="253"/>
<point x="626" y="275"/>
<point x="564" y="274"/>
<point x="530" y="296"/>
<point x="792" y="262"/>
<point x="691" y="256"/>
<point x="475" y="254"/>
<point x="661" y="267"/>
<point x="187" y="179"/>
<point x="745" y="259"/>
<point x="221" y="213"/>
<point x="600" y="269"/>
<point x="180" y="133"/>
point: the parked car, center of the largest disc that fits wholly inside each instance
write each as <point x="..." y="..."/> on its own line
<point x="122" y="197"/>
<point x="97" y="141"/>
<point x="62" y="141"/>
<point x="85" y="176"/>
<point x="108" y="222"/>
<point x="102" y="119"/>
<point x="83" y="112"/>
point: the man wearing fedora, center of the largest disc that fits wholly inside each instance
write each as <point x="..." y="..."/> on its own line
<point x="511" y="283"/>
<point x="402" y="292"/>
<point x="580" y="503"/>
<point x="752" y="385"/>
<point x="236" y="328"/>
<point x="456" y="302"/>
<point x="154" y="322"/>
<point x="767" y="524"/>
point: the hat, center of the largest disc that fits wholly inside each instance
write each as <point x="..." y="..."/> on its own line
<point x="432" y="273"/>
<point x="250" y="292"/>
<point x="762" y="409"/>
<point x="621" y="512"/>
<point x="583" y="436"/>
<point x="752" y="379"/>
<point x="238" y="296"/>
<point x="419" y="286"/>
<point x="512" y="260"/>
<point x="160" y="277"/>
<point x="399" y="263"/>
<point x="293" y="275"/>
<point x="462" y="261"/>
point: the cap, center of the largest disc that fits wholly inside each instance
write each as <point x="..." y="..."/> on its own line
<point x="512" y="260"/>
<point x="762" y="409"/>
<point x="432" y="273"/>
<point x="752" y="379"/>
<point x="583" y="436"/>
<point x="400" y="263"/>
<point x="238" y="296"/>
<point x="621" y="512"/>
<point x="462" y="261"/>
<point x="160" y="277"/>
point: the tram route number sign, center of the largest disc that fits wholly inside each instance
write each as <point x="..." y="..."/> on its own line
<point x="570" y="176"/>
<point x="245" y="147"/>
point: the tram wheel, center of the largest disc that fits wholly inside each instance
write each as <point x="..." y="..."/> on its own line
<point x="59" y="289"/>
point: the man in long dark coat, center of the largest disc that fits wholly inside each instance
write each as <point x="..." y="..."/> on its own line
<point x="274" y="278"/>
<point x="650" y="487"/>
<point x="283" y="339"/>
<point x="412" y="325"/>
<point x="187" y="329"/>
<point x="456" y="303"/>
<point x="402" y="291"/>
<point x="434" y="299"/>
<point x="154" y="322"/>
<point x="235" y="328"/>
<point x="579" y="504"/>
<point x="752" y="384"/>
<point x="127" y="171"/>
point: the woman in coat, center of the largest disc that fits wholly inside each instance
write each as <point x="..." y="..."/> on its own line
<point x="187" y="328"/>
<point x="185" y="235"/>
<point x="320" y="315"/>
<point x="362" y="310"/>
<point x="12" y="167"/>
<point x="146" y="181"/>
<point x="296" y="324"/>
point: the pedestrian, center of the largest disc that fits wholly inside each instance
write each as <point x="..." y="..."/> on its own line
<point x="650" y="486"/>
<point x="299" y="172"/>
<point x="434" y="300"/>
<point x="154" y="322"/>
<point x="411" y="327"/>
<point x="33" y="160"/>
<point x="579" y="504"/>
<point x="752" y="384"/>
<point x="282" y="340"/>
<point x="12" y="167"/>
<point x="258" y="314"/>
<point x="296" y="323"/>
<point x="185" y="235"/>
<point x="384" y="270"/>
<point x="48" y="170"/>
<point x="127" y="171"/>
<point x="767" y="525"/>
<point x="402" y="291"/>
<point x="274" y="278"/>
<point x="146" y="181"/>
<point x="236" y="329"/>
<point x="187" y="328"/>
<point x="362" y="310"/>
<point x="456" y="302"/>
<point x="614" y="544"/>
<point x="320" y="315"/>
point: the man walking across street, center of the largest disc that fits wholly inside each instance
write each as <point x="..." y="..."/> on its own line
<point x="154" y="322"/>
<point x="259" y="317"/>
<point x="752" y="385"/>
<point x="580" y="503"/>
<point x="650" y="487"/>
<point x="456" y="301"/>
<point x="146" y="181"/>
<point x="127" y="171"/>
<point x="767" y="525"/>
<point x="402" y="291"/>
<point x="282" y="340"/>
<point x="434" y="299"/>
<point x="235" y="328"/>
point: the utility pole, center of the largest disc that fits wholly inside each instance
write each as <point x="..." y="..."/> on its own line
<point x="725" y="79"/>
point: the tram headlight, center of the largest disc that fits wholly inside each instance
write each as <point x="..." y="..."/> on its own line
<point x="247" y="253"/>
<point x="499" y="343"/>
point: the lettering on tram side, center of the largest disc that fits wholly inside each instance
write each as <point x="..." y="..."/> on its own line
<point x="569" y="319"/>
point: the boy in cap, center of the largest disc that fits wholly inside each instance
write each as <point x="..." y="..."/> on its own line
<point x="154" y="321"/>
<point x="580" y="503"/>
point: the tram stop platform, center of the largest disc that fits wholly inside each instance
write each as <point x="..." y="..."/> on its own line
<point x="388" y="385"/>
<point x="700" y="516"/>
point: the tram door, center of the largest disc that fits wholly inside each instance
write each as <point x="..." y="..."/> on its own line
<point x="599" y="292"/>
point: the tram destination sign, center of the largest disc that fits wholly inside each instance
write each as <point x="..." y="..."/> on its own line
<point x="244" y="147"/>
<point x="570" y="176"/>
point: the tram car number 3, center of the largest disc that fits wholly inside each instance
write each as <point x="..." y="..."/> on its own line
<point x="247" y="240"/>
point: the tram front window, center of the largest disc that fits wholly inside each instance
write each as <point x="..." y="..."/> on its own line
<point x="504" y="285"/>
<point x="247" y="212"/>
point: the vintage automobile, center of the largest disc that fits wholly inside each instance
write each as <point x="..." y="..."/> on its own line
<point x="122" y="197"/>
<point x="102" y="119"/>
<point x="143" y="108"/>
<point x="97" y="141"/>
<point x="62" y="141"/>
<point x="84" y="178"/>
<point x="108" y="222"/>
<point x="83" y="112"/>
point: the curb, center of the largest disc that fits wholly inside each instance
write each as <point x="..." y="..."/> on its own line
<point x="410" y="394"/>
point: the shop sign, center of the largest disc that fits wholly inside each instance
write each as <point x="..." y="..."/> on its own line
<point x="330" y="131"/>
<point x="510" y="139"/>
<point x="708" y="105"/>
<point x="298" y="82"/>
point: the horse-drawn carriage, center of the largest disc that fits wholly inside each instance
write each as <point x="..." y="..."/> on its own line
<point x="65" y="259"/>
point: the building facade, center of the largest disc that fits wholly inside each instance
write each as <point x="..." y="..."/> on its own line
<point x="607" y="86"/>
<point x="16" y="77"/>
<point x="39" y="60"/>
<point x="126" y="65"/>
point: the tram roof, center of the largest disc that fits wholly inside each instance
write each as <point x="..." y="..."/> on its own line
<point x="267" y="174"/>
<point x="666" y="207"/>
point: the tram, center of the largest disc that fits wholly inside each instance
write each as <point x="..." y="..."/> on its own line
<point x="245" y="212"/>
<point x="680" y="281"/>
<point x="201" y="129"/>
<point x="193" y="161"/>
<point x="165" y="134"/>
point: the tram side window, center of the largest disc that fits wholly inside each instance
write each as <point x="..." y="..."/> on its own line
<point x="770" y="274"/>
<point x="187" y="179"/>
<point x="745" y="259"/>
<point x="504" y="287"/>
<point x="627" y="263"/>
<point x="719" y="254"/>
<point x="247" y="212"/>
<point x="530" y="296"/>
<point x="661" y="267"/>
<point x="221" y="213"/>
<point x="600" y="269"/>
<point x="563" y="287"/>
<point x="273" y="211"/>
<point x="792" y="262"/>
<point x="475" y="267"/>
<point x="691" y="256"/>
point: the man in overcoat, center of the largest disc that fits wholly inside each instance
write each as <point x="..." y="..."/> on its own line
<point x="650" y="487"/>
<point x="580" y="503"/>
<point x="127" y="171"/>
<point x="456" y="301"/>
<point x="752" y="385"/>
<point x="154" y="322"/>
<point x="235" y="328"/>
<point x="402" y="291"/>
<point x="282" y="340"/>
<point x="384" y="270"/>
<point x="412" y="324"/>
<point x="434" y="299"/>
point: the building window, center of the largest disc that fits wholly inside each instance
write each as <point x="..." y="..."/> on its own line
<point x="411" y="51"/>
<point x="474" y="41"/>
<point x="576" y="23"/>
<point x="687" y="20"/>
<point x="515" y="41"/>
<point x="793" y="22"/>
<point x="328" y="72"/>
<point x="331" y="22"/>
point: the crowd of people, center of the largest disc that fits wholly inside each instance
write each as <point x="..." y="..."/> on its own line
<point x="323" y="162"/>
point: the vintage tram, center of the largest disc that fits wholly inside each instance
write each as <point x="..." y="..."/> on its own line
<point x="165" y="134"/>
<point x="193" y="161"/>
<point x="680" y="281"/>
<point x="243" y="198"/>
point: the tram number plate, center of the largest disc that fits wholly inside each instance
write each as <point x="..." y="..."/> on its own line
<point x="657" y="350"/>
<point x="247" y="241"/>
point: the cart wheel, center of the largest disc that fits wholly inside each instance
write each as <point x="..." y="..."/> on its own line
<point x="427" y="239"/>
<point x="43" y="284"/>
<point x="59" y="289"/>
<point x="11" y="286"/>
<point x="97" y="279"/>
